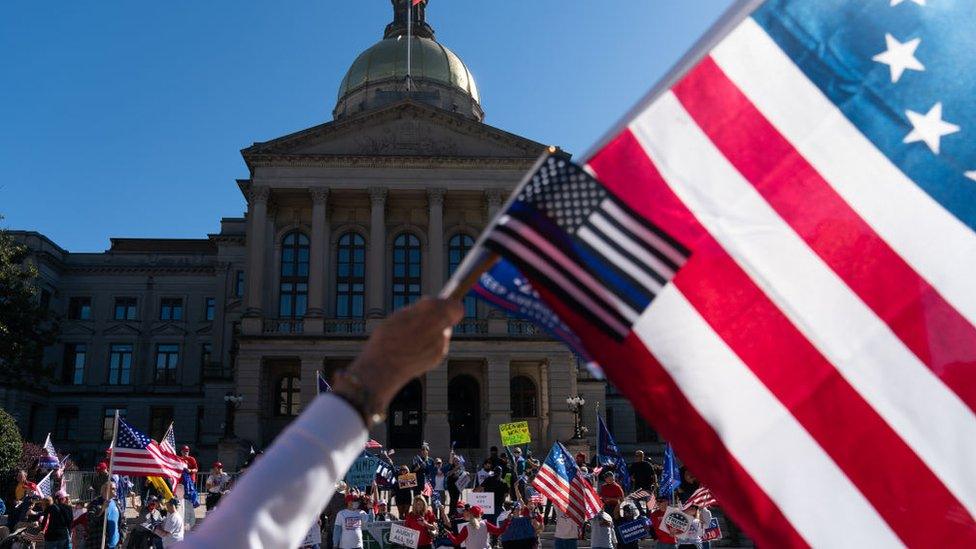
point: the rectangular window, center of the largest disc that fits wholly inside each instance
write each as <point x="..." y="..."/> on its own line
<point x="171" y="308"/>
<point x="108" y="421"/>
<point x="610" y="422"/>
<point x="125" y="308"/>
<point x="206" y="354"/>
<point x="200" y="415"/>
<point x="119" y="363"/>
<point x="209" y="308"/>
<point x="644" y="433"/>
<point x="66" y="423"/>
<point x="80" y="308"/>
<point x="160" y="417"/>
<point x="73" y="369"/>
<point x="239" y="284"/>
<point x="167" y="358"/>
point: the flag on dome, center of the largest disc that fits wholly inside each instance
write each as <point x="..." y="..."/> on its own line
<point x="814" y="159"/>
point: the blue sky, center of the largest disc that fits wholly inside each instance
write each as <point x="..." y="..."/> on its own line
<point x="122" y="118"/>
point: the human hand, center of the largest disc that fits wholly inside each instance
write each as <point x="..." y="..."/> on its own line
<point x="410" y="342"/>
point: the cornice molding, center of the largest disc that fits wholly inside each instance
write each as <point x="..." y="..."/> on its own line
<point x="143" y="269"/>
<point x="395" y="162"/>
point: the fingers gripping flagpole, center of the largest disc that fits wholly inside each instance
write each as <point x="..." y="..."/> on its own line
<point x="111" y="466"/>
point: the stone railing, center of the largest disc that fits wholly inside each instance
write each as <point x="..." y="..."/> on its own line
<point x="522" y="328"/>
<point x="471" y="327"/>
<point x="345" y="326"/>
<point x="283" y="326"/>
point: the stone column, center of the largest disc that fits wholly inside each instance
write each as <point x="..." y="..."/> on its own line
<point x="247" y="383"/>
<point x="499" y="397"/>
<point x="318" y="251"/>
<point x="309" y="379"/>
<point x="562" y="384"/>
<point x="257" y="227"/>
<point x="435" y="241"/>
<point x="376" y="264"/>
<point x="493" y="201"/>
<point x="437" y="431"/>
<point x="544" y="407"/>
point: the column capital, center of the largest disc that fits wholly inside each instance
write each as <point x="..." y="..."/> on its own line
<point x="435" y="197"/>
<point x="493" y="201"/>
<point x="259" y="193"/>
<point x="377" y="195"/>
<point x="319" y="195"/>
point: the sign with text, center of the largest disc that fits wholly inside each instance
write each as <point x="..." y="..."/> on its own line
<point x="485" y="500"/>
<point x="678" y="523"/>
<point x="401" y="535"/>
<point x="713" y="532"/>
<point x="514" y="434"/>
<point x="408" y="480"/>
<point x="376" y="534"/>
<point x="363" y="471"/>
<point x="633" y="530"/>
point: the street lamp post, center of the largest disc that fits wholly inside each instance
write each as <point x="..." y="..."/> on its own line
<point x="575" y="404"/>
<point x="231" y="403"/>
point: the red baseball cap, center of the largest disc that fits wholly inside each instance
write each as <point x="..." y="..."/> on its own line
<point x="475" y="511"/>
<point x="218" y="465"/>
<point x="185" y="448"/>
<point x="351" y="497"/>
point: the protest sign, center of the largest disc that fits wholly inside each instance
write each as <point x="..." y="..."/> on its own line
<point x="363" y="471"/>
<point x="376" y="534"/>
<point x="677" y="522"/>
<point x="485" y="500"/>
<point x="515" y="433"/>
<point x="401" y="535"/>
<point x="633" y="530"/>
<point x="713" y="532"/>
<point x="462" y="482"/>
<point x="408" y="480"/>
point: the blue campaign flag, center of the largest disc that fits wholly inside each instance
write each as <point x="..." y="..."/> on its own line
<point x="671" y="477"/>
<point x="324" y="386"/>
<point x="607" y="453"/>
<point x="189" y="489"/>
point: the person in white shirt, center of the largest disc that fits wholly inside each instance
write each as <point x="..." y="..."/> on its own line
<point x="567" y="531"/>
<point x="348" y="530"/>
<point x="171" y="529"/>
<point x="602" y="534"/>
<point x="272" y="504"/>
<point x="217" y="482"/>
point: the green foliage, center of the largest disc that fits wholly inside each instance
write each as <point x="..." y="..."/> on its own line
<point x="10" y="443"/>
<point x="25" y="326"/>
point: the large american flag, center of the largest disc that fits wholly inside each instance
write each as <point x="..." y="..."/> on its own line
<point x="137" y="455"/>
<point x="814" y="361"/>
<point x="560" y="480"/>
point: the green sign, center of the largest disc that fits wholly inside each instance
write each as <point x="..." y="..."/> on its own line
<point x="363" y="471"/>
<point x="515" y="434"/>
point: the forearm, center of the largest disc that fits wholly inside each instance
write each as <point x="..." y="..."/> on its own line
<point x="283" y="492"/>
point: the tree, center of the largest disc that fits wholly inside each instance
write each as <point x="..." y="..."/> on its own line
<point x="26" y="327"/>
<point x="10" y="443"/>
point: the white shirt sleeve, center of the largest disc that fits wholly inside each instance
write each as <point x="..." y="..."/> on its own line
<point x="286" y="489"/>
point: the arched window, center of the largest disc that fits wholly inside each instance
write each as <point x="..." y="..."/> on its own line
<point x="350" y="276"/>
<point x="288" y="399"/>
<point x="524" y="397"/>
<point x="457" y="248"/>
<point x="406" y="270"/>
<point x="293" y="292"/>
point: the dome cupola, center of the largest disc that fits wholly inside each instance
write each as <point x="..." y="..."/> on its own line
<point x="437" y="75"/>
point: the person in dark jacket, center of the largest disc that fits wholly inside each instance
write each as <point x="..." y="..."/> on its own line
<point x="58" y="518"/>
<point x="496" y="486"/>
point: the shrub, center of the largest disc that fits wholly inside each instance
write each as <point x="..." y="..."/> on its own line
<point x="10" y="442"/>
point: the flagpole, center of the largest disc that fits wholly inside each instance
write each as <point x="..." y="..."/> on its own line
<point x="111" y="466"/>
<point x="409" y="38"/>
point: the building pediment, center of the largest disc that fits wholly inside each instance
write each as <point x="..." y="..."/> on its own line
<point x="169" y="328"/>
<point x="405" y="129"/>
<point x="122" y="329"/>
<point x="76" y="328"/>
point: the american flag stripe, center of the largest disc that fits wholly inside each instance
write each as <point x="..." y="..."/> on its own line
<point x="615" y="233"/>
<point x="621" y="258"/>
<point x="834" y="146"/>
<point x="661" y="245"/>
<point x="702" y="497"/>
<point x="892" y="379"/>
<point x="876" y="399"/>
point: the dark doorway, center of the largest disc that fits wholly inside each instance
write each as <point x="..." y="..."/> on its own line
<point x="464" y="411"/>
<point x="405" y="420"/>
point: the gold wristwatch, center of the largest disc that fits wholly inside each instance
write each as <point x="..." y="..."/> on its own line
<point x="352" y="389"/>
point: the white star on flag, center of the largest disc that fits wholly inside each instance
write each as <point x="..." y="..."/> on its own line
<point x="929" y="127"/>
<point x="971" y="175"/>
<point x="899" y="56"/>
<point x="896" y="2"/>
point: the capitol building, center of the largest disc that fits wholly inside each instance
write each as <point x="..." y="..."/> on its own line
<point x="346" y="221"/>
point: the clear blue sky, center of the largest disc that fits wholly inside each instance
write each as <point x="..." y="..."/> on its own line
<point x="121" y="118"/>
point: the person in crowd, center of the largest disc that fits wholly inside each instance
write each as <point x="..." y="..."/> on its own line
<point x="336" y="504"/>
<point x="522" y="528"/>
<point x="317" y="525"/>
<point x="124" y="488"/>
<point x="403" y="497"/>
<point x="58" y="516"/>
<point x="580" y="459"/>
<point x="498" y="488"/>
<point x="150" y="511"/>
<point x="171" y="529"/>
<point x="101" y="475"/>
<point x="281" y="494"/>
<point x="476" y="533"/>
<point x="20" y="485"/>
<point x="439" y="480"/>
<point x="665" y="539"/>
<point x="602" y="535"/>
<point x="455" y="469"/>
<point x="104" y="516"/>
<point x="641" y="473"/>
<point x="422" y="519"/>
<point x="494" y="458"/>
<point x="348" y="530"/>
<point x="217" y="484"/>
<point x="189" y="461"/>
<point x="704" y="517"/>
<point x="567" y="531"/>
<point x="422" y="466"/>
<point x="483" y="473"/>
<point x="611" y="492"/>
<point x="629" y="512"/>
<point x="382" y="513"/>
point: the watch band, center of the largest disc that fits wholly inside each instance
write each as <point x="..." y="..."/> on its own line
<point x="352" y="389"/>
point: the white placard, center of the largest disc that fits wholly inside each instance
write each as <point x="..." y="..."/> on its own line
<point x="485" y="500"/>
<point x="401" y="535"/>
<point x="677" y="522"/>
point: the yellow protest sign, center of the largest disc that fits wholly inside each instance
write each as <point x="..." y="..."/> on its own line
<point x="514" y="434"/>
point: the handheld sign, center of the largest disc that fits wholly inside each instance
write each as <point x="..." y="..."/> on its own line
<point x="677" y="522"/>
<point x="401" y="535"/>
<point x="633" y="530"/>
<point x="713" y="532"/>
<point x="363" y="471"/>
<point x="514" y="434"/>
<point x="408" y="480"/>
<point x="485" y="500"/>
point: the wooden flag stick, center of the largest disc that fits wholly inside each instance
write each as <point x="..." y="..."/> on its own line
<point x="471" y="277"/>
